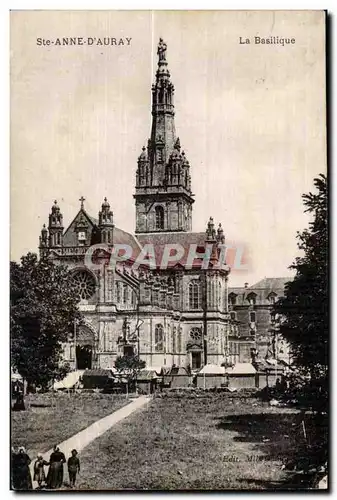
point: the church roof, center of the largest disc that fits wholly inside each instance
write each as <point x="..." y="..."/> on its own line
<point x="238" y="290"/>
<point x="124" y="238"/>
<point x="159" y="240"/>
<point x="262" y="289"/>
<point x="271" y="283"/>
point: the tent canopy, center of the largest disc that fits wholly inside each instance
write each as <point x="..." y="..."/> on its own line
<point x="241" y="369"/>
<point x="99" y="372"/>
<point x="147" y="375"/>
<point x="212" y="370"/>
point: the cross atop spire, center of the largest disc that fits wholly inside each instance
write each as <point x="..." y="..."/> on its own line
<point x="82" y="200"/>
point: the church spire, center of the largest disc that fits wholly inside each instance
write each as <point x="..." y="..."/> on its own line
<point x="43" y="239"/>
<point x="105" y="222"/>
<point x="163" y="134"/>
<point x="163" y="183"/>
<point x="55" y="226"/>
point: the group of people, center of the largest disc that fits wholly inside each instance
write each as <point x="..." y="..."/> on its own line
<point x="21" y="476"/>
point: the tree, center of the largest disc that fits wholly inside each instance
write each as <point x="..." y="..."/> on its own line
<point x="304" y="308"/>
<point x="43" y="308"/>
<point x="130" y="366"/>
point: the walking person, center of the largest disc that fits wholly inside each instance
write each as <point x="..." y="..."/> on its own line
<point x="39" y="474"/>
<point x="19" y="404"/>
<point x="55" y="473"/>
<point x="73" y="467"/>
<point x="13" y="467"/>
<point x="22" y="479"/>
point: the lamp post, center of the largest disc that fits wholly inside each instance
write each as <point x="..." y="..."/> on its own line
<point x="204" y="330"/>
<point x="164" y="339"/>
<point x="138" y="324"/>
<point x="75" y="354"/>
<point x="227" y="352"/>
<point x="274" y="330"/>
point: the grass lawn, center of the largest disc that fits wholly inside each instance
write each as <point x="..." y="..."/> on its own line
<point x="48" y="421"/>
<point x="209" y="441"/>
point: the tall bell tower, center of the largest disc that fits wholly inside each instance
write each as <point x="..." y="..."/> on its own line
<point x="163" y="183"/>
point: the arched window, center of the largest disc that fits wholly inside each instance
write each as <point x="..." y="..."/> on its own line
<point x="194" y="295"/>
<point x="174" y="174"/>
<point x="252" y="317"/>
<point x="174" y="339"/>
<point x="233" y="316"/>
<point x="272" y="298"/>
<point x="155" y="297"/>
<point x="118" y="292"/>
<point x="180" y="334"/>
<point x="252" y="299"/>
<point x="158" y="338"/>
<point x="232" y="299"/>
<point x="125" y="293"/>
<point x="162" y="299"/>
<point x="142" y="175"/>
<point x="159" y="217"/>
<point x="220" y="294"/>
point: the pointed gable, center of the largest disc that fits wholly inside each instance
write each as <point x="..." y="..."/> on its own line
<point x="82" y="222"/>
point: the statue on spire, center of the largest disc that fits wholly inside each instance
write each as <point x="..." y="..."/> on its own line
<point x="210" y="231"/>
<point x="162" y="47"/>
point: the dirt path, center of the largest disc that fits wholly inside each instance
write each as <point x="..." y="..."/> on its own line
<point x="86" y="436"/>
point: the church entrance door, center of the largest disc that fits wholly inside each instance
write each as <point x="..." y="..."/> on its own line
<point x="83" y="357"/>
<point x="196" y="360"/>
<point x="85" y="348"/>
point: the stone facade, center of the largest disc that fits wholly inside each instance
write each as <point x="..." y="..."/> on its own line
<point x="177" y="314"/>
<point x="251" y="309"/>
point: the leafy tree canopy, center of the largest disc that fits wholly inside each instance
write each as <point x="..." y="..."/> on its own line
<point x="304" y="308"/>
<point x="129" y="365"/>
<point x="43" y="303"/>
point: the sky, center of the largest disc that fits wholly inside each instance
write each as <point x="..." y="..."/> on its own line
<point x="250" y="117"/>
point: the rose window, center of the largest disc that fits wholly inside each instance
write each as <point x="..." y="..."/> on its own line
<point x="195" y="334"/>
<point x="85" y="284"/>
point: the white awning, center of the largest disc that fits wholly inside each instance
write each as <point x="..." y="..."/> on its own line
<point x="241" y="369"/>
<point x="212" y="370"/>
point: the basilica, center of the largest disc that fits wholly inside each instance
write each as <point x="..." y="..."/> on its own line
<point x="183" y="313"/>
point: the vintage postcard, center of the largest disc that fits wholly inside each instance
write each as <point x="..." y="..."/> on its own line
<point x="169" y="311"/>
